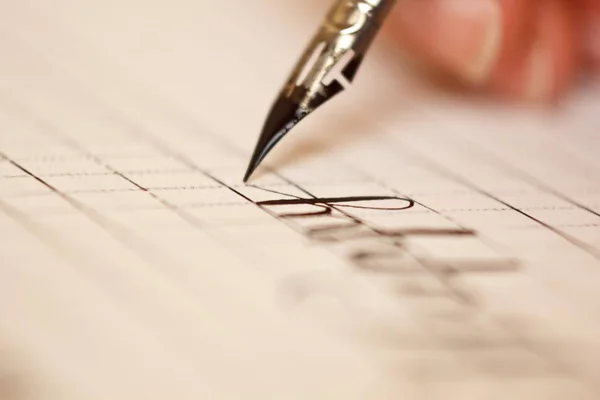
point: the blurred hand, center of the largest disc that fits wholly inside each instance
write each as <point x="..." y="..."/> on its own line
<point x="527" y="49"/>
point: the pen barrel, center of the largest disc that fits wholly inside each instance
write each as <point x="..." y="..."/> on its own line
<point x="344" y="38"/>
<point x="351" y="17"/>
<point x="353" y="24"/>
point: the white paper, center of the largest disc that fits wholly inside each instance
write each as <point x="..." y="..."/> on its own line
<point x="136" y="265"/>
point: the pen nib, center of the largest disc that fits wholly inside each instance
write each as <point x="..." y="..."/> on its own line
<point x="291" y="107"/>
<point x="328" y="65"/>
<point x="284" y="115"/>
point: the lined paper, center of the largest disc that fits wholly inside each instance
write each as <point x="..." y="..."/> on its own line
<point x="403" y="243"/>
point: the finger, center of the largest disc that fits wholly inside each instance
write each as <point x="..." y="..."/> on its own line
<point x="591" y="33"/>
<point x="544" y="68"/>
<point x="462" y="37"/>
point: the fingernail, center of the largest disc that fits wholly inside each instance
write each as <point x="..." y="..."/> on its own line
<point x="538" y="76"/>
<point x="465" y="35"/>
<point x="481" y="35"/>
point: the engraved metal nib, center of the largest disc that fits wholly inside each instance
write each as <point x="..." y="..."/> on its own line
<point x="328" y="65"/>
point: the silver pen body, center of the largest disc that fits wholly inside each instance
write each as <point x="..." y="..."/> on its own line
<point x="344" y="37"/>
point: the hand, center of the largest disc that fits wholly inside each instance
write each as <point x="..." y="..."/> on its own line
<point x="527" y="49"/>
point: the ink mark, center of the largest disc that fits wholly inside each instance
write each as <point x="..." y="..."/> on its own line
<point x="337" y="200"/>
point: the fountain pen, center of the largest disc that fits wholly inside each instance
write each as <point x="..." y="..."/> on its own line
<point x="326" y="68"/>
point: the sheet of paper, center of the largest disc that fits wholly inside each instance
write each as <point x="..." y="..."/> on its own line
<point x="403" y="243"/>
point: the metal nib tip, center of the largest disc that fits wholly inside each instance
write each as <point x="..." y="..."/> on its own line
<point x="251" y="168"/>
<point x="284" y="115"/>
